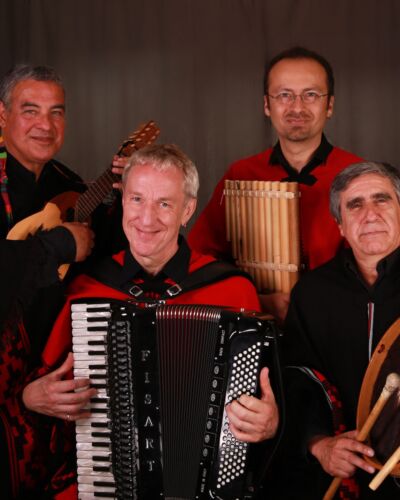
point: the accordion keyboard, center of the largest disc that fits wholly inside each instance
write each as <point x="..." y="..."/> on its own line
<point x="89" y="330"/>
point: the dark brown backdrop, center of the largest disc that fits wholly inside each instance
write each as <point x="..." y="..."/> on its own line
<point x="196" y="67"/>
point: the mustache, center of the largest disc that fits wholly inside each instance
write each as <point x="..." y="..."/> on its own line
<point x="302" y="115"/>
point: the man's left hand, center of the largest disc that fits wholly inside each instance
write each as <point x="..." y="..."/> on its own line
<point x="252" y="419"/>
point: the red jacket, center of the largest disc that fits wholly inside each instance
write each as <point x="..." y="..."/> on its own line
<point x="320" y="237"/>
<point x="236" y="292"/>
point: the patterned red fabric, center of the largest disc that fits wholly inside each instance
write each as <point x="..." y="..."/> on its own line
<point x="349" y="489"/>
<point x="29" y="464"/>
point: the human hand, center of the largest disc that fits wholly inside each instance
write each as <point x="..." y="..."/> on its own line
<point x="339" y="456"/>
<point x="252" y="419"/>
<point x="118" y="165"/>
<point x="54" y="395"/>
<point x="276" y="304"/>
<point x="84" y="239"/>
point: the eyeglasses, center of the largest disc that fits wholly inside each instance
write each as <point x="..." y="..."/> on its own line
<point x="308" y="97"/>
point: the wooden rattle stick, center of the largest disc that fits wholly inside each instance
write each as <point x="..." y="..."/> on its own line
<point x="389" y="465"/>
<point x="392" y="384"/>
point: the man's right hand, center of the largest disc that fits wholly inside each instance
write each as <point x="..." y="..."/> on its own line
<point x="276" y="303"/>
<point x="339" y="456"/>
<point x="84" y="239"/>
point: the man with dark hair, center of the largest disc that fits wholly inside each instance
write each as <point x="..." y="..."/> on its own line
<point x="32" y="122"/>
<point x="299" y="98"/>
<point x="337" y="316"/>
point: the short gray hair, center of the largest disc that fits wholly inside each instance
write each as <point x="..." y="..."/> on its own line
<point x="163" y="157"/>
<point x="343" y="179"/>
<point x="22" y="72"/>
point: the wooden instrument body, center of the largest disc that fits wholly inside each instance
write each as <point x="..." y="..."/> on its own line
<point x="73" y="206"/>
<point x="262" y="223"/>
<point x="385" y="360"/>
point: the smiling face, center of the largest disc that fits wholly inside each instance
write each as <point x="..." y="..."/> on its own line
<point x="370" y="213"/>
<point x="297" y="121"/>
<point x="33" y="124"/>
<point x="154" y="208"/>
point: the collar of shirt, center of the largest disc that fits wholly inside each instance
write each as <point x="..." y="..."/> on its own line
<point x="385" y="267"/>
<point x="304" y="176"/>
<point x="175" y="270"/>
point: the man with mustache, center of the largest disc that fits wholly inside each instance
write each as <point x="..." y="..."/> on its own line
<point x="32" y="121"/>
<point x="299" y="98"/>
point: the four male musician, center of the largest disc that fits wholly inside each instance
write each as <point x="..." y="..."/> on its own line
<point x="337" y="316"/>
<point x="160" y="187"/>
<point x="299" y="98"/>
<point x="337" y="313"/>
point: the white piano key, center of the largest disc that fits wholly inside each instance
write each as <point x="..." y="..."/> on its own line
<point x="89" y="472"/>
<point x="86" y="488"/>
<point x="85" y="340"/>
<point x="88" y="454"/>
<point x="84" y="332"/>
<point x="90" y="463"/>
<point x="89" y="496"/>
<point x="78" y="323"/>
<point x="84" y="306"/>
<point x="86" y="348"/>
<point x="83" y="315"/>
<point x="86" y="372"/>
<point x="88" y="439"/>
<point x="83" y="356"/>
<point x="89" y="479"/>
<point x="85" y="363"/>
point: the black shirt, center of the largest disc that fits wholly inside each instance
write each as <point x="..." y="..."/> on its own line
<point x="304" y="176"/>
<point x="334" y="323"/>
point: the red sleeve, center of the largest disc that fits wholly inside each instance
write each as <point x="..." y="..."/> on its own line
<point x="208" y="233"/>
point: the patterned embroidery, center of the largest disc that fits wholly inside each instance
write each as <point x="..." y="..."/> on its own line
<point x="3" y="189"/>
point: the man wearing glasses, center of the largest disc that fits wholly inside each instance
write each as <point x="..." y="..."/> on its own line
<point x="299" y="98"/>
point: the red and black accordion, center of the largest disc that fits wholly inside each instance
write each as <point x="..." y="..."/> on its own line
<point x="164" y="374"/>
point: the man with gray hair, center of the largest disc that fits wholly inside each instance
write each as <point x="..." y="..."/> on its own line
<point x="337" y="316"/>
<point x="160" y="186"/>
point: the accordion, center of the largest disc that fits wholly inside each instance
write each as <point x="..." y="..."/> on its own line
<point x="164" y="374"/>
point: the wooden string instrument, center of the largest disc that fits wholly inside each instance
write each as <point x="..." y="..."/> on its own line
<point x="72" y="206"/>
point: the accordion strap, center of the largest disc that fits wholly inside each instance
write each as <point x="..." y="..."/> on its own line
<point x="109" y="273"/>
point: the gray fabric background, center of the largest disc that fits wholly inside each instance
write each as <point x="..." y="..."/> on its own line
<point x="196" y="67"/>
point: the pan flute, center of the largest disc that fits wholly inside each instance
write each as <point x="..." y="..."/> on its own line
<point x="262" y="224"/>
<point x="158" y="427"/>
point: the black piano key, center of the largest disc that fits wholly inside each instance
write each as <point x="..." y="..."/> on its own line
<point x="98" y="468"/>
<point x="96" y="342"/>
<point x="99" y="424"/>
<point x="97" y="458"/>
<point x="97" y="367"/>
<point x="100" y="434"/>
<point x="99" y="444"/>
<point x="103" y="483"/>
<point x="103" y="494"/>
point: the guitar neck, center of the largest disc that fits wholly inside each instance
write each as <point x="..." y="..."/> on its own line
<point x="94" y="195"/>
